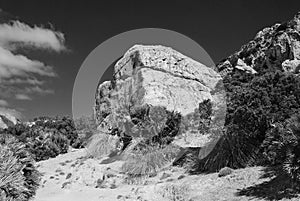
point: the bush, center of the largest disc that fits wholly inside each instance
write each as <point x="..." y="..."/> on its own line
<point x="282" y="147"/>
<point x="274" y="145"/>
<point x="11" y="178"/>
<point x="254" y="103"/>
<point x="18" y="177"/>
<point x="102" y="145"/>
<point x="235" y="149"/>
<point x="153" y="123"/>
<point x="143" y="160"/>
<point x="47" y="144"/>
<point x="64" y="125"/>
<point x="47" y="137"/>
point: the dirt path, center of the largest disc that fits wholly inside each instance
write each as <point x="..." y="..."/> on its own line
<point x="74" y="177"/>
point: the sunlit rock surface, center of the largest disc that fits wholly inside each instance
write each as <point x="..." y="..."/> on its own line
<point x="276" y="47"/>
<point x="156" y="76"/>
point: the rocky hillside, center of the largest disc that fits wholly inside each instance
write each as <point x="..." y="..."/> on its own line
<point x="278" y="45"/>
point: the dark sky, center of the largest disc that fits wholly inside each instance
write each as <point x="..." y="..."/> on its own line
<point x="220" y="27"/>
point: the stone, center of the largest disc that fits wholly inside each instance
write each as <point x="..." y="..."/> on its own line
<point x="244" y="67"/>
<point x="155" y="76"/>
<point x="225" y="171"/>
<point x="7" y="120"/>
<point x="291" y="66"/>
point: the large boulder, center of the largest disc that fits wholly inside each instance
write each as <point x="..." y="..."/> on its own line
<point x="276" y="47"/>
<point x="154" y="76"/>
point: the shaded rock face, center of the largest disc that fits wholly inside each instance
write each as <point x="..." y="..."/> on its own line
<point x="278" y="45"/>
<point x="155" y="76"/>
<point x="7" y="120"/>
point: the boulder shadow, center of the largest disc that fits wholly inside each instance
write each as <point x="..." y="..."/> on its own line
<point x="278" y="187"/>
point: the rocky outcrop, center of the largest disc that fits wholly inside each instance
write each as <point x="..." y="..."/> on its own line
<point x="7" y="120"/>
<point x="276" y="47"/>
<point x="154" y="76"/>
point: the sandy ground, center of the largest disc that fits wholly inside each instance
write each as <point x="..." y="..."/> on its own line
<point x="75" y="177"/>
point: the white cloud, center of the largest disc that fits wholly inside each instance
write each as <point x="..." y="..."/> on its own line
<point x="20" y="34"/>
<point x="39" y="90"/>
<point x="20" y="76"/>
<point x="3" y="103"/>
<point x="30" y="81"/>
<point x="18" y="65"/>
<point x="22" y="97"/>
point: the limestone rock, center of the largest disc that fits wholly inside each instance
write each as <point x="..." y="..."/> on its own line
<point x="244" y="67"/>
<point x="292" y="66"/>
<point x="156" y="76"/>
<point x="7" y="120"/>
<point x="277" y="47"/>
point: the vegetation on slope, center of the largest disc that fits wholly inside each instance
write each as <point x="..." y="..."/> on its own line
<point x="19" y="178"/>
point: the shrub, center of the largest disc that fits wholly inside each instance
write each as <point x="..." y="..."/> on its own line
<point x="153" y="123"/>
<point x="102" y="145"/>
<point x="11" y="177"/>
<point x="143" y="160"/>
<point x="277" y="138"/>
<point x="291" y="149"/>
<point x="47" y="137"/>
<point x="254" y="102"/>
<point x="47" y="144"/>
<point x="234" y="149"/>
<point x="225" y="171"/>
<point x="18" y="177"/>
<point x="64" y="125"/>
<point x="43" y="143"/>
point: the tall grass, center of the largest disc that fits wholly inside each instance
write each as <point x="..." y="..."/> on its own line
<point x="11" y="178"/>
<point x="102" y="145"/>
<point x="142" y="160"/>
<point x="18" y="177"/>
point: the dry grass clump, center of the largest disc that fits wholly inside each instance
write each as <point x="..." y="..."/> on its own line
<point x="143" y="160"/>
<point x="11" y="178"/>
<point x="173" y="192"/>
<point x="102" y="145"/>
<point x="19" y="178"/>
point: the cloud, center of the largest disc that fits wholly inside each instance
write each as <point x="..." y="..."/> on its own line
<point x="21" y="76"/>
<point x="22" y="97"/>
<point x="15" y="35"/>
<point x="39" y="90"/>
<point x="20" y="34"/>
<point x="29" y="81"/>
<point x="3" y="103"/>
<point x="18" y="65"/>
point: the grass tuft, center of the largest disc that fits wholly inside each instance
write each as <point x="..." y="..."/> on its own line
<point x="145" y="161"/>
<point x="18" y="177"/>
<point x="102" y="145"/>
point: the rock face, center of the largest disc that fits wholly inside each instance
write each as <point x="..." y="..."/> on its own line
<point x="156" y="76"/>
<point x="276" y="46"/>
<point x="7" y="120"/>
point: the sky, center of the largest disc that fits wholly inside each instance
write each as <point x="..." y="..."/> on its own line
<point x="44" y="43"/>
